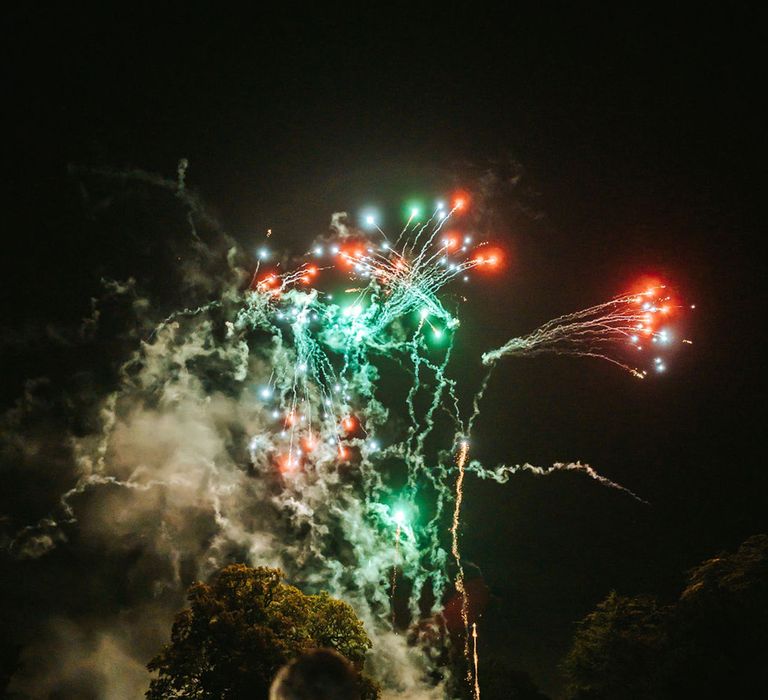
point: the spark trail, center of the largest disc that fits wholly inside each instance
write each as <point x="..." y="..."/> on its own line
<point x="476" y="661"/>
<point x="299" y="361"/>
<point x="604" y="331"/>
<point x="394" y="570"/>
<point x="461" y="460"/>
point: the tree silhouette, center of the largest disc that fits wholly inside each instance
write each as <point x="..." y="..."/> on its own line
<point x="616" y="650"/>
<point x="242" y="627"/>
<point x="712" y="642"/>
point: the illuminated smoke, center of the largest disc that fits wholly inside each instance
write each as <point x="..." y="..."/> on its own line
<point x="251" y="426"/>
<point x="502" y="473"/>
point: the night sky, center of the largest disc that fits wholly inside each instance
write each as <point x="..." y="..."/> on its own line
<point x="619" y="143"/>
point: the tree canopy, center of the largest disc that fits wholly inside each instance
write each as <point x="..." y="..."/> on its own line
<point x="711" y="642"/>
<point x="240" y="628"/>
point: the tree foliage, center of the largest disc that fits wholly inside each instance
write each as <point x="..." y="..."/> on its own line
<point x="712" y="642"/>
<point x="616" y="649"/>
<point x="242" y="627"/>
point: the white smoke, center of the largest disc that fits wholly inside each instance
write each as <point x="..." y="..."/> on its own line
<point x="180" y="479"/>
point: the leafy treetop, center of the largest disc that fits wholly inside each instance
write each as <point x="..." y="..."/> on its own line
<point x="242" y="627"/>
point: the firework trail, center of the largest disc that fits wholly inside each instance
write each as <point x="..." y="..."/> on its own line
<point x="476" y="660"/>
<point x="298" y="368"/>
<point x="461" y="460"/>
<point x="394" y="572"/>
<point x="603" y="331"/>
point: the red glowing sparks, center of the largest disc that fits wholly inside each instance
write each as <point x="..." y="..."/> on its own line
<point x="451" y="241"/>
<point x="288" y="463"/>
<point x="460" y="201"/>
<point x="490" y="259"/>
<point x="270" y="282"/>
<point x="350" y="256"/>
<point x="655" y="305"/>
<point x="648" y="286"/>
<point x="309" y="273"/>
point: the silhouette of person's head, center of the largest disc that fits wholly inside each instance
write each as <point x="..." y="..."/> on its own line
<point x="321" y="674"/>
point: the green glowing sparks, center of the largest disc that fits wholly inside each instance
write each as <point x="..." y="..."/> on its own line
<point x="357" y="438"/>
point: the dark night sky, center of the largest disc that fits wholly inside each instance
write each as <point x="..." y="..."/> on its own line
<point x="642" y="146"/>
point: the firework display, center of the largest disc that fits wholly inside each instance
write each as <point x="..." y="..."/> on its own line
<point x="352" y="488"/>
<point x="324" y="400"/>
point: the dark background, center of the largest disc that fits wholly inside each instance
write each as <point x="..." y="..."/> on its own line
<point x="640" y="143"/>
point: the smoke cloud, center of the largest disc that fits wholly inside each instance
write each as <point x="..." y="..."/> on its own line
<point x="156" y="466"/>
